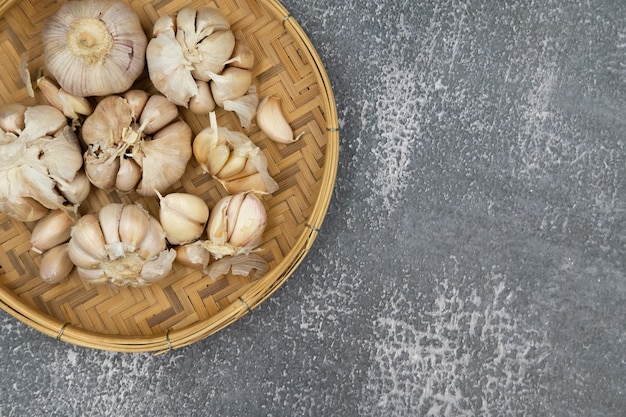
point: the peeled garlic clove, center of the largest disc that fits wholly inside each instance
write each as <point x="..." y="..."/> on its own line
<point x="50" y="231"/>
<point x="128" y="175"/>
<point x="157" y="113"/>
<point x="153" y="242"/>
<point x="202" y="103"/>
<point x="216" y="158"/>
<point x="183" y="217"/>
<point x="94" y="48"/>
<point x="133" y="226"/>
<point x="230" y="84"/>
<point x="137" y="100"/>
<point x="193" y="255"/>
<point x="272" y="122"/>
<point x="55" y="264"/>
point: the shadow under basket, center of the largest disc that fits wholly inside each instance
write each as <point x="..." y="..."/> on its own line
<point x="186" y="306"/>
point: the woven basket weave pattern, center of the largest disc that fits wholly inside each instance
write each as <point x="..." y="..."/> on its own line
<point x="186" y="306"/>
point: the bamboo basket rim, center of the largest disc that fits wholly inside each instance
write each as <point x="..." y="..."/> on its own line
<point x="258" y="292"/>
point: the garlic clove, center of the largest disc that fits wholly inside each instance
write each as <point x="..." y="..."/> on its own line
<point x="210" y="19"/>
<point x="12" y="117"/>
<point x="242" y="56"/>
<point x="76" y="190"/>
<point x="133" y="226"/>
<point x="193" y="255"/>
<point x="153" y="242"/>
<point x="102" y="173"/>
<point x="109" y="218"/>
<point x="128" y="175"/>
<point x="248" y="169"/>
<point x="136" y="100"/>
<point x="51" y="230"/>
<point x="202" y="102"/>
<point x="87" y="235"/>
<point x="24" y="209"/>
<point x="55" y="264"/>
<point x="183" y="217"/>
<point x="232" y="83"/>
<point x="255" y="182"/>
<point x="232" y="213"/>
<point x="217" y="227"/>
<point x="250" y="222"/>
<point x="165" y="158"/>
<point x="217" y="158"/>
<point x="157" y="113"/>
<point x="233" y="166"/>
<point x="69" y="104"/>
<point x="92" y="275"/>
<point x="272" y="122"/>
<point x="214" y="51"/>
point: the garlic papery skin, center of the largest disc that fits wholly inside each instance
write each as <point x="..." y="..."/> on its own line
<point x="272" y="122"/>
<point x="52" y="230"/>
<point x="39" y="153"/>
<point x="135" y="255"/>
<point x="232" y="156"/>
<point x="55" y="264"/>
<point x="94" y="47"/>
<point x="146" y="152"/>
<point x="183" y="217"/>
<point x="236" y="225"/>
<point x="244" y="107"/>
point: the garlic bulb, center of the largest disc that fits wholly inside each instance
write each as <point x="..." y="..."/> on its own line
<point x="51" y="231"/>
<point x="94" y="47"/>
<point x="183" y="217"/>
<point x="39" y="154"/>
<point x="272" y="122"/>
<point x="135" y="144"/>
<point x="233" y="159"/>
<point x="236" y="225"/>
<point x="195" y="48"/>
<point x="123" y="245"/>
<point x="55" y="264"/>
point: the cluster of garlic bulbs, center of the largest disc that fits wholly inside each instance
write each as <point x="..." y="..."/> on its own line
<point x="233" y="159"/>
<point x="136" y="142"/>
<point x="195" y="60"/>
<point x="123" y="245"/>
<point x="40" y="163"/>
<point x="97" y="130"/>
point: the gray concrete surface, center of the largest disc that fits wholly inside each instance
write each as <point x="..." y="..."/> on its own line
<point x="473" y="259"/>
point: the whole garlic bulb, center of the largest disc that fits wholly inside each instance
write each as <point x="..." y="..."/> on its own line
<point x="123" y="245"/>
<point x="233" y="159"/>
<point x="198" y="47"/>
<point x="236" y="225"/>
<point x="94" y="47"/>
<point x="40" y="163"/>
<point x="136" y="142"/>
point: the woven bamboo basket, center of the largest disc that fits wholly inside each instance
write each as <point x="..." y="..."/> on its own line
<point x="186" y="306"/>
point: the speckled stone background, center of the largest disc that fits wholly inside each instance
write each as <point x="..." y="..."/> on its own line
<point x="473" y="260"/>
